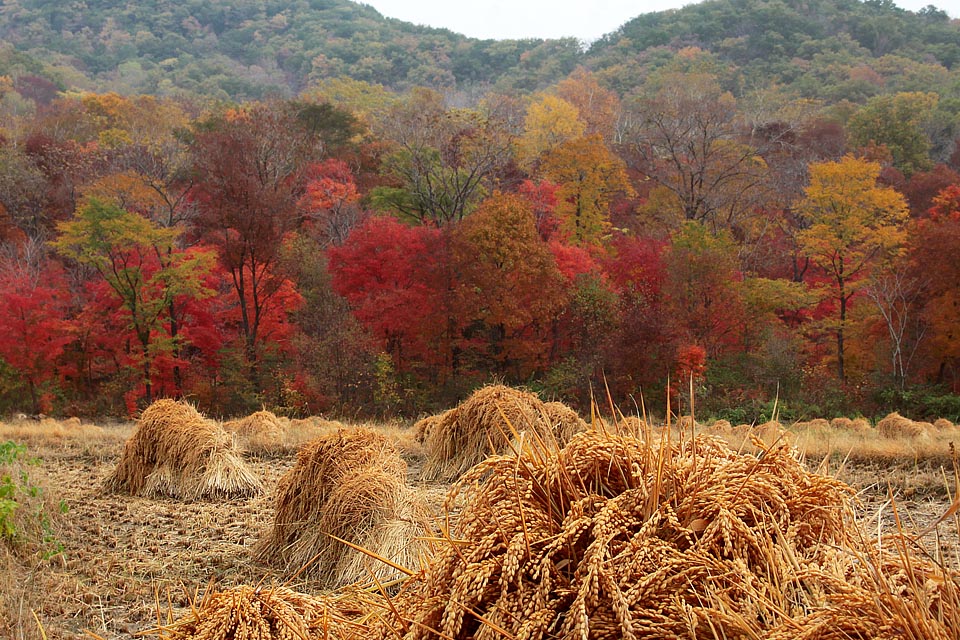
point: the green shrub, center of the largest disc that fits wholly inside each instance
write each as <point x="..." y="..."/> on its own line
<point x="24" y="518"/>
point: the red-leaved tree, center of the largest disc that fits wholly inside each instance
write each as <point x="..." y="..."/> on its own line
<point x="33" y="332"/>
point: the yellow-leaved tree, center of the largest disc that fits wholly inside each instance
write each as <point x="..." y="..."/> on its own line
<point x="550" y="121"/>
<point x="589" y="178"/>
<point x="854" y="225"/>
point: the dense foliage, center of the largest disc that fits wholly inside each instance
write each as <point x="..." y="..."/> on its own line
<point x="686" y="209"/>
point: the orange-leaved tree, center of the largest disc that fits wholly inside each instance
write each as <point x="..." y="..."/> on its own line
<point x="510" y="288"/>
<point x="854" y="224"/>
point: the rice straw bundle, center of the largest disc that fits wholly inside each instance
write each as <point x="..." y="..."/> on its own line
<point x="260" y="432"/>
<point x="842" y="423"/>
<point x="176" y="452"/>
<point x="270" y="613"/>
<point x="564" y="421"/>
<point x="613" y="538"/>
<point x="770" y="432"/>
<point x="351" y="485"/>
<point x="628" y="425"/>
<point x="856" y="425"/>
<point x="376" y="513"/>
<point x="424" y="427"/>
<point x="484" y="424"/>
<point x="720" y="427"/>
<point x="815" y="425"/>
<point x="896" y="426"/>
<point x="942" y="425"/>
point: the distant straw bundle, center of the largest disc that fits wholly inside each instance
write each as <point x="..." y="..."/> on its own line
<point x="628" y="425"/>
<point x="842" y="423"/>
<point x="484" y="424"/>
<point x="721" y="427"/>
<point x="771" y="432"/>
<point x="857" y="425"/>
<point x="815" y="425"/>
<point x="564" y="421"/>
<point x="350" y="485"/>
<point x="894" y="425"/>
<point x="270" y="613"/>
<point x="942" y="425"/>
<point x="260" y="432"/>
<point x="176" y="452"/>
<point x="424" y="427"/>
<point x="611" y="538"/>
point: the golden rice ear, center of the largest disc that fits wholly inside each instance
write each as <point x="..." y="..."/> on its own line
<point x="271" y="613"/>
<point x="176" y="452"/>
<point x="616" y="537"/>
<point x="348" y="485"/>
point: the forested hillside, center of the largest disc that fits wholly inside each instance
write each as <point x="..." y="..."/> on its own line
<point x="760" y="197"/>
<point x="248" y="48"/>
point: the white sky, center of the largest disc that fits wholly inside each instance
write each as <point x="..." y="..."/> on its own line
<point x="582" y="19"/>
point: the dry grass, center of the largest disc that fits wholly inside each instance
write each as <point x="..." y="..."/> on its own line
<point x="484" y="424"/>
<point x="270" y="613"/>
<point x="614" y="538"/>
<point x="176" y="452"/>
<point x="70" y="435"/>
<point x="347" y="486"/>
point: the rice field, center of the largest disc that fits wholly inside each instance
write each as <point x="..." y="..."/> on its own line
<point x="630" y="530"/>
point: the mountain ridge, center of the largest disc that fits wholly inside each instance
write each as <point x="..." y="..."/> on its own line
<point x="254" y="48"/>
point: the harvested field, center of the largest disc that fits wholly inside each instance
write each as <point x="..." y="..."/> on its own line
<point x="126" y="557"/>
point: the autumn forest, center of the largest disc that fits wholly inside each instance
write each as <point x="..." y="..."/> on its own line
<point x="765" y="211"/>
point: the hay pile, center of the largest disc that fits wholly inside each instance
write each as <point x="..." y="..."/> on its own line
<point x="483" y="425"/>
<point x="943" y="425"/>
<point x="270" y="613"/>
<point x="351" y="485"/>
<point x="611" y="538"/>
<point x="816" y="425"/>
<point x="176" y="452"/>
<point x="423" y="428"/>
<point x="857" y="425"/>
<point x="564" y="421"/>
<point x="896" y="426"/>
<point x="260" y="432"/>
<point x="720" y="427"/>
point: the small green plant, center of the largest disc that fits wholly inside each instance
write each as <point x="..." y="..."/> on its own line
<point x="17" y="491"/>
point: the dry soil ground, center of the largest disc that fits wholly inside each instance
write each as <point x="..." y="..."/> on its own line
<point x="129" y="562"/>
